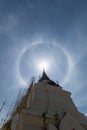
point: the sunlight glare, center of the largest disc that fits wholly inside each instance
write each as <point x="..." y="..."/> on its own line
<point x="43" y="65"/>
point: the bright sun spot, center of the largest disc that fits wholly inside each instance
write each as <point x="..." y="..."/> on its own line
<point x="43" y="65"/>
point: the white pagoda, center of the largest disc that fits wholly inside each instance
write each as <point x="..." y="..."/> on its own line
<point x="46" y="106"/>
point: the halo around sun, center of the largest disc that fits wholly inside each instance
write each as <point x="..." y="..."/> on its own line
<point x="47" y="62"/>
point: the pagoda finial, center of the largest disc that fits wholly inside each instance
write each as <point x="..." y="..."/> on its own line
<point x="43" y="70"/>
<point x="44" y="76"/>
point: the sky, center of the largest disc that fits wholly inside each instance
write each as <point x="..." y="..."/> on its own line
<point x="34" y="31"/>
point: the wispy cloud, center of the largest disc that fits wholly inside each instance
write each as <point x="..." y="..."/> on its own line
<point x="8" y="23"/>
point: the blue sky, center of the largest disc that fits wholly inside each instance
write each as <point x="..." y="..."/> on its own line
<point x="34" y="30"/>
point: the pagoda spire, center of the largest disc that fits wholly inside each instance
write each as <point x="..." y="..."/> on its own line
<point x="44" y="76"/>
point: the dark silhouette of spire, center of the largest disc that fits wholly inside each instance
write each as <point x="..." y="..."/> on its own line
<point x="49" y="81"/>
<point x="44" y="76"/>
